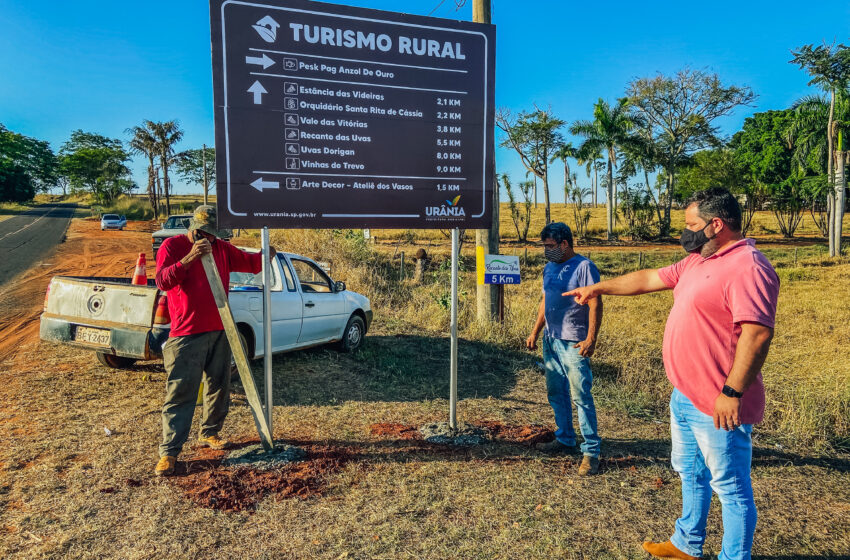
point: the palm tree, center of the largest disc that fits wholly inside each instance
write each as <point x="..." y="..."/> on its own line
<point x="642" y="153"/>
<point x="143" y="142"/>
<point x="167" y="134"/>
<point x="814" y="115"/>
<point x="609" y="131"/>
<point x="589" y="159"/>
<point x="563" y="153"/>
<point x="829" y="68"/>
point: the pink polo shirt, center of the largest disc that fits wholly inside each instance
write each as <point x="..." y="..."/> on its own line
<point x="711" y="298"/>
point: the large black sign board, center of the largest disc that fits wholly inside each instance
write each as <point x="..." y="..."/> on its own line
<point x="331" y="116"/>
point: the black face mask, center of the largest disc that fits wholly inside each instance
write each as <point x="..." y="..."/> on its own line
<point x="692" y="241"/>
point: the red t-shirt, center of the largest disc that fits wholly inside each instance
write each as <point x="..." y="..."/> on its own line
<point x="191" y="304"/>
<point x="711" y="298"/>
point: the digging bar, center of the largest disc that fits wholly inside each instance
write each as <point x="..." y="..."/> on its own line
<point x="238" y="352"/>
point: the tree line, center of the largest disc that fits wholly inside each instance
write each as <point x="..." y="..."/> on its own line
<point x="93" y="164"/>
<point x="789" y="161"/>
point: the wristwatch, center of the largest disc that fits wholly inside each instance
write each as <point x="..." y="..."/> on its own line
<point x="730" y="392"/>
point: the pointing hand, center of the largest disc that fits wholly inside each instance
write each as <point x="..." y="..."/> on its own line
<point x="581" y="295"/>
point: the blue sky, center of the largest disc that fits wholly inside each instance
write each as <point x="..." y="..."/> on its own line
<point x="106" y="66"/>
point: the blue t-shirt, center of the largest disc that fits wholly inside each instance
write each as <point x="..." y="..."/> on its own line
<point x="565" y="319"/>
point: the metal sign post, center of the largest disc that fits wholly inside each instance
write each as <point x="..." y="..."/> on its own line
<point x="453" y="358"/>
<point x="267" y="326"/>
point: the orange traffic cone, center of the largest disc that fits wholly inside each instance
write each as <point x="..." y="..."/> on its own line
<point x="140" y="276"/>
<point x="162" y="320"/>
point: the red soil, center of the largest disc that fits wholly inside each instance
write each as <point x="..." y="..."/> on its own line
<point x="526" y="435"/>
<point x="241" y="489"/>
<point x="390" y="429"/>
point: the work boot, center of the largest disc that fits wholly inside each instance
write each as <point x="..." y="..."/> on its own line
<point x="214" y="442"/>
<point x="554" y="446"/>
<point x="589" y="465"/>
<point x="666" y="550"/>
<point x="165" y="466"/>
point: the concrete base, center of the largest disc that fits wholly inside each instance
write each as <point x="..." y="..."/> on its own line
<point x="465" y="435"/>
<point x="254" y="456"/>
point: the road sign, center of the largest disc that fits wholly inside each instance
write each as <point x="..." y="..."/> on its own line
<point x="331" y="116"/>
<point x="501" y="269"/>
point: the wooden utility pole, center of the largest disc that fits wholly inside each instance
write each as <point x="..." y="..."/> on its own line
<point x="206" y="180"/>
<point x="487" y="302"/>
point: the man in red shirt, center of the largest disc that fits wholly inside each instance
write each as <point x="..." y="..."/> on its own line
<point x="715" y="343"/>
<point x="197" y="347"/>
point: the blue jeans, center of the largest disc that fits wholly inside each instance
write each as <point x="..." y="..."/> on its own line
<point x="708" y="458"/>
<point x="568" y="374"/>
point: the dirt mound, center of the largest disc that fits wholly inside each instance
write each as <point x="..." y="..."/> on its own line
<point x="390" y="429"/>
<point x="241" y="489"/>
<point x="526" y="435"/>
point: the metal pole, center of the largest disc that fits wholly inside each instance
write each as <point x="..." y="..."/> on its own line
<point x="453" y="358"/>
<point x="204" y="163"/>
<point x="267" y="326"/>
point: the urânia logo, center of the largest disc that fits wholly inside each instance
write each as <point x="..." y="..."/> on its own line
<point x="451" y="209"/>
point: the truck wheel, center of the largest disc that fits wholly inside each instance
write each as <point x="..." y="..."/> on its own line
<point x="113" y="361"/>
<point x="352" y="336"/>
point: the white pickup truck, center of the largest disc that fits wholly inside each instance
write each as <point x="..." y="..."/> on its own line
<point x="118" y="320"/>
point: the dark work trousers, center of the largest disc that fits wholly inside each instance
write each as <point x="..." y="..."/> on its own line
<point x="188" y="359"/>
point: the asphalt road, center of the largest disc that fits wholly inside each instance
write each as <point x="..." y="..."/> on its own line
<point x="27" y="238"/>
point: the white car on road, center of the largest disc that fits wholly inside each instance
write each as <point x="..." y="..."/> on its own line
<point x="113" y="221"/>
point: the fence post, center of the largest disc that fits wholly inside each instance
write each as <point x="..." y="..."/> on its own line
<point x="401" y="272"/>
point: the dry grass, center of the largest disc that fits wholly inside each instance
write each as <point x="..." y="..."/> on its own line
<point x="67" y="490"/>
<point x="807" y="374"/>
<point x="763" y="225"/>
<point x="10" y="209"/>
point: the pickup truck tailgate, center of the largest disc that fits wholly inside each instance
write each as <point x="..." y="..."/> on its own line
<point x="109" y="315"/>
<point x="112" y="300"/>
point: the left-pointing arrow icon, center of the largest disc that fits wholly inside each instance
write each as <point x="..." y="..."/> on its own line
<point x="263" y="61"/>
<point x="261" y="184"/>
<point x="258" y="90"/>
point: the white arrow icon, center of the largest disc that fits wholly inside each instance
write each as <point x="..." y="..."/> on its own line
<point x="261" y="184"/>
<point x="265" y="61"/>
<point x="258" y="90"/>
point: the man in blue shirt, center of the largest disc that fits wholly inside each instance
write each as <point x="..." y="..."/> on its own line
<point x="568" y="344"/>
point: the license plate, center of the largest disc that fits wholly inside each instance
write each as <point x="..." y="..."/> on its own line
<point x="88" y="335"/>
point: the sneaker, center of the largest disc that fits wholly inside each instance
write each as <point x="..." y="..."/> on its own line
<point x="667" y="551"/>
<point x="554" y="446"/>
<point x="589" y="465"/>
<point x="214" y="442"/>
<point x="165" y="466"/>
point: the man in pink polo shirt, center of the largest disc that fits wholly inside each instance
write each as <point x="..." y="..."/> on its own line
<point x="715" y="343"/>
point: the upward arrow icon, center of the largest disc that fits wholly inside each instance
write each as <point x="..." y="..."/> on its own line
<point x="258" y="90"/>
